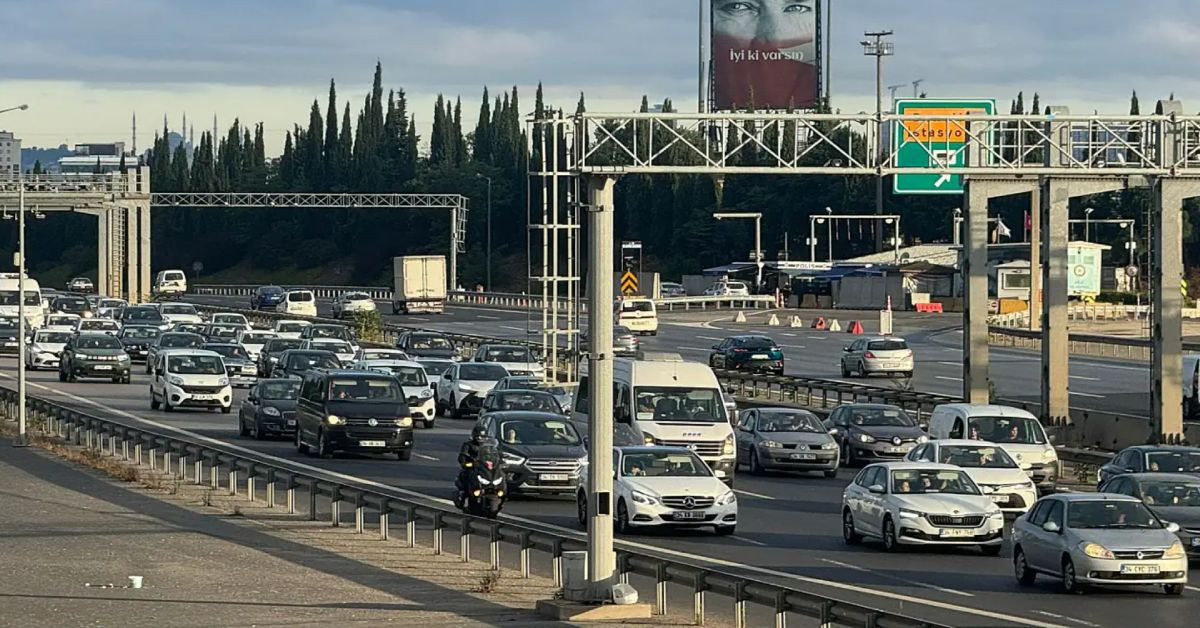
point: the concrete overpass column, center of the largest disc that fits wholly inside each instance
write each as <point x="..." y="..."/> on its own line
<point x="975" y="281"/>
<point x="132" y="250"/>
<point x="143" y="283"/>
<point x="104" y="282"/>
<point x="1166" y="368"/>
<point x="1056" y="199"/>
<point x="1035" y="259"/>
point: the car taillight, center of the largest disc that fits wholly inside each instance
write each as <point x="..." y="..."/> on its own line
<point x="868" y="355"/>
<point x="740" y="350"/>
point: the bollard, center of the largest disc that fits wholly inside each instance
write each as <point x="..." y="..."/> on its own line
<point x="384" y="516"/>
<point x="167" y="462"/>
<point x="251" y="493"/>
<point x="214" y="480"/>
<point x="660" y="588"/>
<point x="360" y="514"/>
<point x="410" y="526"/>
<point x="233" y="479"/>
<point x="270" y="479"/>
<point x="739" y="604"/>
<point x="124" y="448"/>
<point x="437" y="533"/>
<point x="494" y="547"/>
<point x="291" y="497"/>
<point x="199" y="473"/>
<point x="153" y="459"/>
<point x="698" y="589"/>
<point x="312" y="501"/>
<point x="526" y="546"/>
<point x="137" y="454"/>
<point x="464" y="540"/>
<point x="183" y="465"/>
<point x="781" y="609"/>
<point x="556" y="552"/>
<point x="335" y="506"/>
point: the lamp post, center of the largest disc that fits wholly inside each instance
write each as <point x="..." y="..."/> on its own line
<point x="488" y="237"/>
<point x="878" y="48"/>
<point x="17" y="108"/>
<point x="757" y="217"/>
<point x="22" y="438"/>
<point x="1087" y="224"/>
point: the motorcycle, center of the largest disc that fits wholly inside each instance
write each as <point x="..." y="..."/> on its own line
<point x="485" y="487"/>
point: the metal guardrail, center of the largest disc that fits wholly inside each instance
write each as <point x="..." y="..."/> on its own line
<point x="1081" y="344"/>
<point x="222" y="467"/>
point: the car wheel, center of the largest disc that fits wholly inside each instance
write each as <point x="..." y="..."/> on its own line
<point x="1069" y="582"/>
<point x="300" y="446"/>
<point x="755" y="467"/>
<point x="581" y="512"/>
<point x="991" y="550"/>
<point x="622" y="518"/>
<point x="455" y="412"/>
<point x="890" y="542"/>
<point x="427" y="424"/>
<point x="153" y="401"/>
<point x="862" y="369"/>
<point x="404" y="454"/>
<point x="71" y="377"/>
<point x="848" y="454"/>
<point x="322" y="446"/>
<point x="845" y="371"/>
<point x="849" y="534"/>
<point x="1173" y="589"/>
<point x="1025" y="575"/>
<point x="62" y="375"/>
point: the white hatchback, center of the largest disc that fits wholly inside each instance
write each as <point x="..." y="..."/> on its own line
<point x="289" y="329"/>
<point x="190" y="378"/>
<point x="342" y="349"/>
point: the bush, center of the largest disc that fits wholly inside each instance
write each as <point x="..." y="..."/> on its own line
<point x="368" y="326"/>
<point x="1119" y="298"/>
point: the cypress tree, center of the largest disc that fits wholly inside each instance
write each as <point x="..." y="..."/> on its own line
<point x="482" y="141"/>
<point x="438" y="151"/>
<point x="460" y="142"/>
<point x="179" y="170"/>
<point x="313" y="149"/>
<point x="1135" y="109"/>
<point x="332" y="164"/>
<point x="345" y="152"/>
<point x="287" y="164"/>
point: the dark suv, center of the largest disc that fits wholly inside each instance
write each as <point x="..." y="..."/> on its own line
<point x="266" y="297"/>
<point x="358" y="411"/>
<point x="297" y="362"/>
<point x="94" y="355"/>
<point x="268" y="356"/>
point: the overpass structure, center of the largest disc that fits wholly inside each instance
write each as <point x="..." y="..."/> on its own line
<point x="1053" y="158"/>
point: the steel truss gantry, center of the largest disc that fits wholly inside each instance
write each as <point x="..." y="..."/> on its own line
<point x="457" y="204"/>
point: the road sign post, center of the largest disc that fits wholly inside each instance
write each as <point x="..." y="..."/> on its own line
<point x="937" y="143"/>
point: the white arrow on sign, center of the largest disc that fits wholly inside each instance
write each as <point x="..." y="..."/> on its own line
<point x="941" y="181"/>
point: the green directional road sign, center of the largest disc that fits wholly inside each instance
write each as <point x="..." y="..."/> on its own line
<point x="934" y="143"/>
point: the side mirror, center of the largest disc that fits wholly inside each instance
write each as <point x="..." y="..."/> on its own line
<point x="716" y="347"/>
<point x="1172" y="527"/>
<point x="1050" y="526"/>
<point x="1129" y="470"/>
<point x="876" y="489"/>
<point x="845" y="349"/>
<point x="1025" y="466"/>
<point x="833" y="431"/>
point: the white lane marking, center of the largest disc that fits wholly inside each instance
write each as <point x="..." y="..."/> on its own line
<point x="792" y="346"/>
<point x="951" y="363"/>
<point x="951" y="349"/>
<point x="750" y="541"/>
<point x="896" y="578"/>
<point x="512" y="328"/>
<point x="790" y="335"/>
<point x="1191" y="588"/>
<point x="758" y="495"/>
<point x="693" y="349"/>
<point x="425" y="457"/>
<point x="1083" y="394"/>
<point x="817" y="337"/>
<point x="1086" y="379"/>
<point x="575" y="533"/>
<point x="1081" y="622"/>
<point x="949" y="379"/>
<point x="710" y="338"/>
<point x="486" y="317"/>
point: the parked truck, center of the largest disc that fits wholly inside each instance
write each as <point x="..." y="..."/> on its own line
<point x="420" y="284"/>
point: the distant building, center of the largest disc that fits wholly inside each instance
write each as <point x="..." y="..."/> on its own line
<point x="88" y="158"/>
<point x="10" y="153"/>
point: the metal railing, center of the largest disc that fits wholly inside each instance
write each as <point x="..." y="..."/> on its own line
<point x="1081" y="344"/>
<point x="240" y="471"/>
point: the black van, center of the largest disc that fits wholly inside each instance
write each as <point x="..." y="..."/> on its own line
<point x="359" y="411"/>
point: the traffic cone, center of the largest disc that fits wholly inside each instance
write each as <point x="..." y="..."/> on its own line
<point x="796" y="322"/>
<point x="855" y="327"/>
<point x="834" y="325"/>
<point x="740" y="318"/>
<point x="773" y="321"/>
<point x="818" y="322"/>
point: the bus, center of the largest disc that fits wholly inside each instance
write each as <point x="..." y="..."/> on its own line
<point x="35" y="314"/>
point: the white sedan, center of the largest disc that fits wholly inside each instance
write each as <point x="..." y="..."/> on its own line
<point x="665" y="487"/>
<point x="920" y="503"/>
<point x="350" y="303"/>
<point x="988" y="465"/>
<point x="413" y="380"/>
<point x="285" y="328"/>
<point x="464" y="385"/>
<point x="342" y="349"/>
<point x="727" y="289"/>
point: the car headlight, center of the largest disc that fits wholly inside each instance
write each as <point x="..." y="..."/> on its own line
<point x="273" y="358"/>
<point x="922" y="439"/>
<point x="334" y="419"/>
<point x="177" y="381"/>
<point x="866" y="438"/>
<point x="649" y="440"/>
<point x="123" y="358"/>
<point x="1050" y="455"/>
<point x="269" y="411"/>
<point x="404" y="421"/>
<point x="770" y="444"/>
<point x="1175" y="551"/>
<point x="910" y="514"/>
<point x="512" y="459"/>
<point x="465" y="387"/>
<point x="426" y="393"/>
<point x="729" y="446"/>
<point x="643" y="498"/>
<point x="830" y="445"/>
<point x="1096" y="550"/>
<point x="728" y="498"/>
<point x="996" y="514"/>
<point x="224" y="381"/>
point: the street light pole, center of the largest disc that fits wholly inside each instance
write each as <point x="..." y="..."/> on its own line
<point x="879" y="49"/>
<point x="22" y="438"/>
<point x="1087" y="224"/>
<point x="17" y="108"/>
<point x="757" y="217"/>
<point x="488" y="237"/>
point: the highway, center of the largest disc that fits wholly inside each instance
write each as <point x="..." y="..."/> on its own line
<point x="789" y="529"/>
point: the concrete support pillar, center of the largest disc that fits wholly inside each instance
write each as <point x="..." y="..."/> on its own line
<point x="1055" y="201"/>
<point x="1166" y="357"/>
<point x="132" y="248"/>
<point x="1035" y="259"/>
<point x="104" y="282"/>
<point x="453" y="278"/>
<point x="144" y="250"/>
<point x="975" y="281"/>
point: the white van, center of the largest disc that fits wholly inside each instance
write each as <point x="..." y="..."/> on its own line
<point x="35" y="310"/>
<point x="670" y="402"/>
<point x="1017" y="431"/>
<point x="169" y="283"/>
<point x="1191" y="386"/>
<point x="190" y="378"/>
<point x="638" y="314"/>
<point x="299" y="302"/>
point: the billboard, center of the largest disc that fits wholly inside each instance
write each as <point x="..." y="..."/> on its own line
<point x="1083" y="277"/>
<point x="765" y="53"/>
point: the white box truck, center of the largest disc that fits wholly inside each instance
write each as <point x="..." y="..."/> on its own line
<point x="420" y="284"/>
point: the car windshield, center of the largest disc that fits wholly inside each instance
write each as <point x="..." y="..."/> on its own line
<point x="173" y="277"/>
<point x="67" y="304"/>
<point x="112" y="303"/>
<point x="270" y="290"/>
<point x="383" y="354"/>
<point x="887" y="345"/>
<point x="178" y="308"/>
<point x="336" y="346"/>
<point x="300" y="297"/>
<point x="789" y="422"/>
<point x="364" y="389"/>
<point x="228" y="351"/>
<point x="279" y="389"/>
<point x="482" y="372"/>
<point x="695" y="405"/>
<point x="525" y="432"/>
<point x="305" y="361"/>
<point x="139" y="332"/>
<point x="141" y="314"/>
<point x="972" y="456"/>
<point x="1103" y="514"/>
<point x="232" y="319"/>
<point x="435" y="368"/>
<point x="92" y="324"/>
<point x="67" y="321"/>
<point x="655" y="464"/>
<point x="525" y="400"/>
<point x="196" y="365"/>
<point x="9" y="297"/>
<point x="255" y="339"/>
<point x="736" y="285"/>
<point x="507" y="354"/>
<point x="330" y="331"/>
<point x="280" y="345"/>
<point x="1171" y="494"/>
<point x="406" y="375"/>
<point x="430" y="342"/>
<point x="921" y="481"/>
<point x="53" y="337"/>
<point x="223" y="332"/>
<point x="757" y="342"/>
<point x="180" y="340"/>
<point x="880" y="417"/>
<point x="1173" y="461"/>
<point x="358" y="296"/>
<point x="637" y="306"/>
<point x="291" y="328"/>
<point x="1007" y="430"/>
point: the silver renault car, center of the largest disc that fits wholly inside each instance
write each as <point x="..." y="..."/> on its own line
<point x="1098" y="539"/>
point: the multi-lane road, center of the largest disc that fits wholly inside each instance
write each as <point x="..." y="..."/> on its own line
<point x="789" y="529"/>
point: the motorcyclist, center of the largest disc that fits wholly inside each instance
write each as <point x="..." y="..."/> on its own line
<point x="468" y="453"/>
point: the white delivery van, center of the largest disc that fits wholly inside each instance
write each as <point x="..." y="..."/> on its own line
<point x="298" y="302"/>
<point x="1017" y="431"/>
<point x="169" y="283"/>
<point x="419" y="284"/>
<point x="669" y="402"/>
<point x="10" y="289"/>
<point x="1191" y="386"/>
<point x="638" y="314"/>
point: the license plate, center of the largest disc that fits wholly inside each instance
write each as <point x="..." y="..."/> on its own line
<point x="803" y="457"/>
<point x="371" y="443"/>
<point x="103" y="367"/>
<point x="204" y="397"/>
<point x="955" y="533"/>
<point x="760" y="356"/>
<point x="1000" y="499"/>
<point x="554" y="477"/>
<point x="1139" y="569"/>
<point x="897" y="450"/>
<point x="291" y="422"/>
<point x="10" y="344"/>
<point x="689" y="514"/>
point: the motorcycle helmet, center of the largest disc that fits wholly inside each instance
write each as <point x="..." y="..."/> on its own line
<point x="479" y="435"/>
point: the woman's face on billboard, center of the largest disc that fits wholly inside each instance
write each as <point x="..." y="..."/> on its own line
<point x="783" y="21"/>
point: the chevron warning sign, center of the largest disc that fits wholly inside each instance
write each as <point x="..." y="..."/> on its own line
<point x="629" y="283"/>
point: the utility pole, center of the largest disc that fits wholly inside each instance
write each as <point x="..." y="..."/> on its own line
<point x="879" y="48"/>
<point x="916" y="87"/>
<point x="22" y="439"/>
<point x="488" y="237"/>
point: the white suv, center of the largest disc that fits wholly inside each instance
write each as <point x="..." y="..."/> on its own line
<point x="728" y="289"/>
<point x="190" y="378"/>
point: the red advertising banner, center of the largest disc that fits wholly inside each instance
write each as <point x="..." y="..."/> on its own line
<point x="765" y="54"/>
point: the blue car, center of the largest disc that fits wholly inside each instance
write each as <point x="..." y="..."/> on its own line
<point x="266" y="297"/>
<point x="747" y="353"/>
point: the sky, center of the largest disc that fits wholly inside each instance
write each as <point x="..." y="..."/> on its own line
<point x="86" y="71"/>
